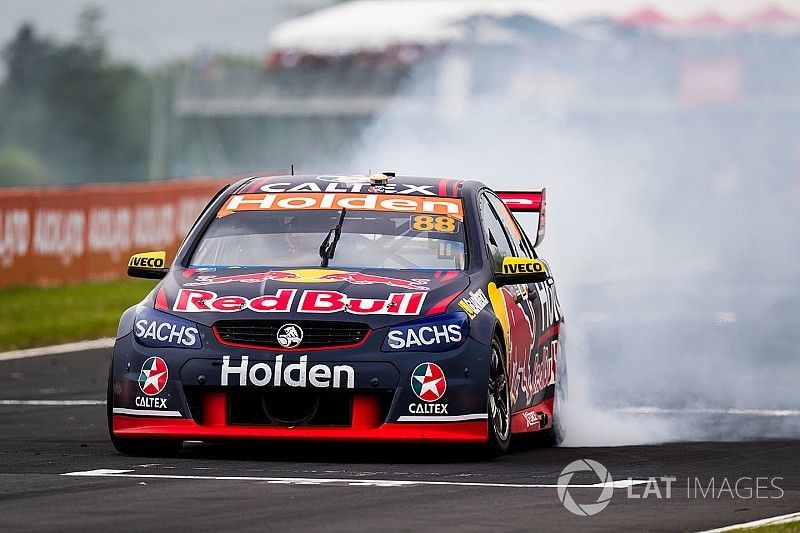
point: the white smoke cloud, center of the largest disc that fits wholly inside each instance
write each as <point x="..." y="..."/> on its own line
<point x="647" y="234"/>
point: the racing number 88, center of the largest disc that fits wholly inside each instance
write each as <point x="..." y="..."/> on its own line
<point x="430" y="223"/>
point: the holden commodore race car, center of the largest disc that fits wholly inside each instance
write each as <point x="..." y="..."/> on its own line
<point x="344" y="308"/>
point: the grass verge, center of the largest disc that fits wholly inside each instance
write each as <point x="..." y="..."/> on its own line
<point x="788" y="527"/>
<point x="39" y="316"/>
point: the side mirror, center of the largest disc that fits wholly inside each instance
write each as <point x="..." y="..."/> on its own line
<point x="148" y="265"/>
<point x="519" y="270"/>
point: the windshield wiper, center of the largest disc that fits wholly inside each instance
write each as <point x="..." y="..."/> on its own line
<point x="328" y="246"/>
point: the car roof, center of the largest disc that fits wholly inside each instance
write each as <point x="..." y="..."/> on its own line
<point x="413" y="185"/>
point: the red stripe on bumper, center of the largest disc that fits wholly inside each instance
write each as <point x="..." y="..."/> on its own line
<point x="187" y="429"/>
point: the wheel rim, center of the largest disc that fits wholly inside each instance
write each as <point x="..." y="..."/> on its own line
<point x="498" y="396"/>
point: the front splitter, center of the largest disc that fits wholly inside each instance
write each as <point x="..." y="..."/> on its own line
<point x="187" y="429"/>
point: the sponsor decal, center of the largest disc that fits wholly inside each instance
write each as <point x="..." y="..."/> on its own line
<point x="436" y="334"/>
<point x="544" y="366"/>
<point x="311" y="275"/>
<point x="548" y="305"/>
<point x="148" y="260"/>
<point x="264" y="374"/>
<point x="517" y="265"/>
<point x="530" y="418"/>
<point x="349" y="184"/>
<point x="151" y="402"/>
<point x="310" y="301"/>
<point x="428" y="408"/>
<point x="428" y="382"/>
<point x="337" y="201"/>
<point x="159" y="330"/>
<point x="290" y="335"/>
<point x="153" y="376"/>
<point x="513" y="307"/>
<point x="474" y="303"/>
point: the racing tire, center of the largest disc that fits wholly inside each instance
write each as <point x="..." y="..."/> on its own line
<point x="498" y="403"/>
<point x="136" y="447"/>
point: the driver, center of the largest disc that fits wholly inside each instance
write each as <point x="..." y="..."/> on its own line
<point x="302" y="249"/>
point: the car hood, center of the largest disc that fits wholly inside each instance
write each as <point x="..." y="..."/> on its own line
<point x="377" y="297"/>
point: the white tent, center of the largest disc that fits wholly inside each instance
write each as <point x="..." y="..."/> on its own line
<point x="373" y="25"/>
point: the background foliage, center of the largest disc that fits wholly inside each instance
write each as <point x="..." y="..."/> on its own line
<point x="67" y="114"/>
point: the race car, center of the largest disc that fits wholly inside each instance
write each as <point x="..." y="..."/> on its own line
<point x="344" y="308"/>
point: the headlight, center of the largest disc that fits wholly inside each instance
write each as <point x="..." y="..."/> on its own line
<point x="435" y="334"/>
<point x="161" y="330"/>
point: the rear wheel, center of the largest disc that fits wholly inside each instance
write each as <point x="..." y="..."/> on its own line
<point x="499" y="403"/>
<point x="137" y="447"/>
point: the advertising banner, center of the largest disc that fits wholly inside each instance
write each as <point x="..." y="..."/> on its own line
<point x="58" y="235"/>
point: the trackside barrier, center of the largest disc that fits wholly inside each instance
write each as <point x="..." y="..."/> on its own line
<point x="54" y="235"/>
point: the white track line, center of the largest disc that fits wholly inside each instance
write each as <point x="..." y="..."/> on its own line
<point x="782" y="519"/>
<point x="107" y="472"/>
<point x="709" y="411"/>
<point x="53" y="403"/>
<point x="96" y="344"/>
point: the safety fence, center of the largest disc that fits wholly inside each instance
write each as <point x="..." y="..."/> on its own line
<point x="60" y="235"/>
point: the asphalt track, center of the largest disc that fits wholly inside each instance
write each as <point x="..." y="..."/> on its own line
<point x="324" y="487"/>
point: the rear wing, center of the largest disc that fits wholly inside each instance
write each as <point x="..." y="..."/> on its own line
<point x="527" y="202"/>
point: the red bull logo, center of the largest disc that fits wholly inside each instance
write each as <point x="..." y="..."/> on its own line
<point x="312" y="276"/>
<point x="311" y="301"/>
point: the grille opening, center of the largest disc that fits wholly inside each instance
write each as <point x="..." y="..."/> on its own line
<point x="316" y="333"/>
<point x="246" y="407"/>
<point x="289" y="408"/>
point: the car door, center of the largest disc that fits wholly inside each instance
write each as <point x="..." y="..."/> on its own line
<point x="540" y="304"/>
<point x="511" y="303"/>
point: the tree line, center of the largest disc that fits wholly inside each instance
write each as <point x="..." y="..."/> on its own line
<point x="67" y="113"/>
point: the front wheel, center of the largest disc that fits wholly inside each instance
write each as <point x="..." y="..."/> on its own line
<point x="499" y="403"/>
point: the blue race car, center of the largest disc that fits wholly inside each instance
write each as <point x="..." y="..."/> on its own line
<point x="344" y="308"/>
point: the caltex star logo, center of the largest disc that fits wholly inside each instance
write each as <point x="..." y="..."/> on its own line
<point x="428" y="382"/>
<point x="153" y="377"/>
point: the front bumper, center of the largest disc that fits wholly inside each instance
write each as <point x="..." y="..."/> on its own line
<point x="382" y="407"/>
<point x="185" y="429"/>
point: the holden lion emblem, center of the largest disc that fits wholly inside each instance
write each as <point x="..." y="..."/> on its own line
<point x="290" y="335"/>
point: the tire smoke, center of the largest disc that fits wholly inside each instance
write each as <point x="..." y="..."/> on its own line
<point x="672" y="233"/>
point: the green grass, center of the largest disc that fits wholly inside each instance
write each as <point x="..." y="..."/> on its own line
<point x="791" y="527"/>
<point x="38" y="316"/>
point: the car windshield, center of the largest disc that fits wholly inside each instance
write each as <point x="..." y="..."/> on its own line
<point x="369" y="239"/>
